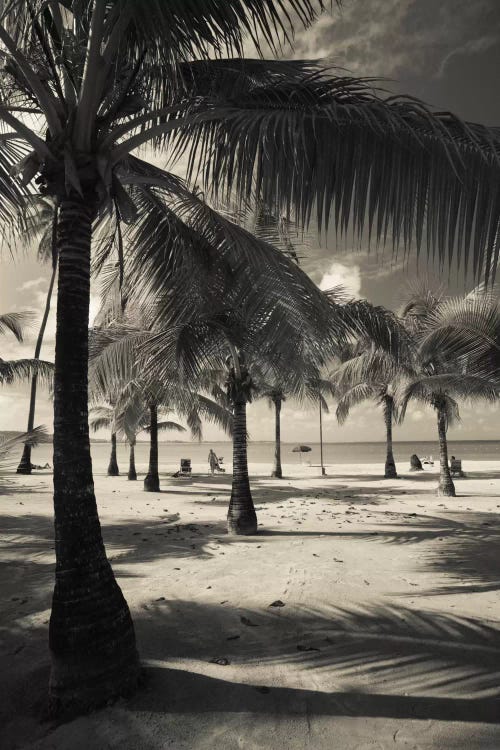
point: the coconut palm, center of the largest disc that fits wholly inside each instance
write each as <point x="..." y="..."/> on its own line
<point x="84" y="84"/>
<point x="369" y="373"/>
<point x="136" y="420"/>
<point x="314" y="389"/>
<point x="40" y="221"/>
<point x="104" y="417"/>
<point x="117" y="364"/>
<point x="439" y="380"/>
<point x="271" y="324"/>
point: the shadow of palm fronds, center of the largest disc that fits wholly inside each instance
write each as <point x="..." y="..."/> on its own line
<point x="389" y="649"/>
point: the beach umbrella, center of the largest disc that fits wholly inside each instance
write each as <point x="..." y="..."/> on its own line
<point x="301" y="449"/>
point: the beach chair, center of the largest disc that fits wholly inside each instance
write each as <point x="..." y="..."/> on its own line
<point x="456" y="467"/>
<point x="185" y="467"/>
<point x="219" y="466"/>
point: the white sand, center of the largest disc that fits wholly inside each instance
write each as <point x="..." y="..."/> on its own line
<point x="389" y="637"/>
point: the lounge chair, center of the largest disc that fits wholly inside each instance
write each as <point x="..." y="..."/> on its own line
<point x="456" y="467"/>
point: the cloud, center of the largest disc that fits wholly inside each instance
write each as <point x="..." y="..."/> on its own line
<point x="340" y="274"/>
<point x="32" y="284"/>
<point x="471" y="47"/>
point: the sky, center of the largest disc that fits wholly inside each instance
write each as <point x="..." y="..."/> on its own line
<point x="446" y="53"/>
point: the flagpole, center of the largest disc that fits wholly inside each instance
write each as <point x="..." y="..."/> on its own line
<point x="323" y="472"/>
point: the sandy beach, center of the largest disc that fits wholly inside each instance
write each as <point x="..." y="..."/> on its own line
<point x="364" y="615"/>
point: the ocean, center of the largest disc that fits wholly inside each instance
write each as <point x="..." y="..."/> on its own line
<point x="170" y="453"/>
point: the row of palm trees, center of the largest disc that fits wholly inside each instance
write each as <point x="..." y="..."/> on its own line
<point x="84" y="84"/>
<point x="447" y="358"/>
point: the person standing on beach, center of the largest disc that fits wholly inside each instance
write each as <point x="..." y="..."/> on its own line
<point x="213" y="461"/>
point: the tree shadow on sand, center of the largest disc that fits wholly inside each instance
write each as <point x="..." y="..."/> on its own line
<point x="460" y="545"/>
<point x="387" y="661"/>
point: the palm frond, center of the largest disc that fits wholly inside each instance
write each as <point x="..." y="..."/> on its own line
<point x="15" y="323"/>
<point x="23" y="369"/>
<point x="390" y="164"/>
<point x="166" y="425"/>
<point x="9" y="445"/>
<point x="353" y="397"/>
<point x="465" y="327"/>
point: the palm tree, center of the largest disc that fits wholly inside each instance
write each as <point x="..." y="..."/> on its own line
<point x="78" y="100"/>
<point x="41" y="220"/>
<point x="131" y="419"/>
<point x="438" y="378"/>
<point x="371" y="374"/>
<point x="102" y="417"/>
<point x="117" y="365"/>
<point x="313" y="389"/>
<point x="276" y="397"/>
<point x="137" y="419"/>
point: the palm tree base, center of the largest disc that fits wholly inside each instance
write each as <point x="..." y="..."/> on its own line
<point x="390" y="472"/>
<point x="446" y="490"/>
<point x="242" y="525"/>
<point x="113" y="471"/>
<point x="277" y="473"/>
<point x="132" y="476"/>
<point x="76" y="688"/>
<point x="152" y="483"/>
<point x="25" y="462"/>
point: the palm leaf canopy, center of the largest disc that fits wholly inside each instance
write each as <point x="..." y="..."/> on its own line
<point x="466" y="328"/>
<point x="441" y="391"/>
<point x="9" y="444"/>
<point x="102" y="417"/>
<point x="23" y="369"/>
<point x="354" y="396"/>
<point x="103" y="78"/>
<point x="15" y="322"/>
<point x="117" y="362"/>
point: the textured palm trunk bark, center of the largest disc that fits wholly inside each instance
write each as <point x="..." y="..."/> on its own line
<point x="241" y="516"/>
<point x="390" y="464"/>
<point x="446" y="486"/>
<point x="113" y="470"/>
<point x="152" y="479"/>
<point x="25" y="463"/>
<point x="277" y="471"/>
<point x="91" y="635"/>
<point x="132" y="474"/>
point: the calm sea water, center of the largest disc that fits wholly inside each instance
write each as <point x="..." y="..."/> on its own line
<point x="263" y="452"/>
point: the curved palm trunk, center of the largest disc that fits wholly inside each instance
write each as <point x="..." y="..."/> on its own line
<point x="113" y="470"/>
<point x="390" y="464"/>
<point x="91" y="635"/>
<point x="132" y="474"/>
<point x="152" y="479"/>
<point x="277" y="472"/>
<point x="25" y="463"/>
<point x="241" y="516"/>
<point x="445" y="486"/>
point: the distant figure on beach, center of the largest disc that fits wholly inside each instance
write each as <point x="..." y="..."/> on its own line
<point x="213" y="461"/>
<point x="36" y="466"/>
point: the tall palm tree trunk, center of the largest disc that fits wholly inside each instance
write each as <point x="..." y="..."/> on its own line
<point x="241" y="516"/>
<point x="132" y="474"/>
<point x="277" y="472"/>
<point x="152" y="479"/>
<point x="25" y="463"/>
<point x="446" y="485"/>
<point x="390" y="464"/>
<point x="113" y="470"/>
<point x="91" y="635"/>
